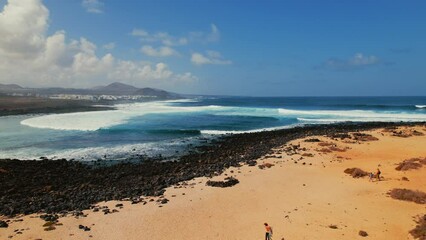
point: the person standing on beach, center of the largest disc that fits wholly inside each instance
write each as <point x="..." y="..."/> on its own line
<point x="378" y="174"/>
<point x="268" y="234"/>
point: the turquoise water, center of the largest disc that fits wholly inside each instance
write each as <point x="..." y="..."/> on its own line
<point x="167" y="128"/>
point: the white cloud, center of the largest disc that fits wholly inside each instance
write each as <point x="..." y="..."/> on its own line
<point x="135" y="71"/>
<point x="30" y="57"/>
<point x="93" y="6"/>
<point x="358" y="61"/>
<point x="186" y="77"/>
<point x="163" y="51"/>
<point x="139" y="33"/>
<point x="214" y="35"/>
<point x="169" y="40"/>
<point x="211" y="57"/>
<point x="23" y="24"/>
<point x="109" y="46"/>
<point x="159" y="37"/>
<point x="203" y="37"/>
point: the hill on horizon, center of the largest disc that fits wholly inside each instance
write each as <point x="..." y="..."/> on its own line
<point x="115" y="88"/>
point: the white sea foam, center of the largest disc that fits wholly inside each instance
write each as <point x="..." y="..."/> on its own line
<point x="337" y="120"/>
<point x="420" y="106"/>
<point x="219" y="132"/>
<point x="351" y="115"/>
<point x="118" y="152"/>
<point x="92" y="121"/>
<point x="84" y="121"/>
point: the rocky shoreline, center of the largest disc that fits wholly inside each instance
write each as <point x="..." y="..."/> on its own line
<point x="61" y="186"/>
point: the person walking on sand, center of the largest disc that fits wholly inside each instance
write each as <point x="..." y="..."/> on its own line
<point x="268" y="234"/>
<point x="371" y="175"/>
<point x="378" y="174"/>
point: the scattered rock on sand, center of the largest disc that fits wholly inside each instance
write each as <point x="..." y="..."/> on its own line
<point x="48" y="224"/>
<point x="408" y="195"/>
<point x="356" y="172"/>
<point x="49" y="217"/>
<point x="336" y="149"/>
<point x="364" y="137"/>
<point x="417" y="133"/>
<point x="342" y="136"/>
<point x="332" y="226"/>
<point x="363" y="233"/>
<point x="3" y="224"/>
<point x="325" y="144"/>
<point x="312" y="140"/>
<point x="324" y="150"/>
<point x="404" y="133"/>
<point x="229" y="182"/>
<point x="50" y="228"/>
<point x="266" y="165"/>
<point x="85" y="228"/>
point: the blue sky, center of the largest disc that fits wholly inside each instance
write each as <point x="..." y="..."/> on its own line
<point x="256" y="48"/>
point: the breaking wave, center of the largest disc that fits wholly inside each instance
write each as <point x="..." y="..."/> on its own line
<point x="351" y="115"/>
<point x="92" y="121"/>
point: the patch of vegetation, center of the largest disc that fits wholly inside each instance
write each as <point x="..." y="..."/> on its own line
<point x="408" y="195"/>
<point x="419" y="232"/>
<point x="413" y="163"/>
<point x="356" y="172"/>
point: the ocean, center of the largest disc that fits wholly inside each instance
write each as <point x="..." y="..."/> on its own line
<point x="170" y="128"/>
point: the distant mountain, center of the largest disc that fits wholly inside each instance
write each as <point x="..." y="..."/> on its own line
<point x="116" y="89"/>
<point x="154" y="93"/>
<point x="10" y="86"/>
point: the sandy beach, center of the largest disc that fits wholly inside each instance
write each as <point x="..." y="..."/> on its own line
<point x="302" y="192"/>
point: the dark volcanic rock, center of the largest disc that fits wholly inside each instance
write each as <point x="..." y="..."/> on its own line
<point x="342" y="136"/>
<point x="84" y="228"/>
<point x="363" y="233"/>
<point x="229" y="182"/>
<point x="3" y="224"/>
<point x="58" y="186"/>
<point x="312" y="140"/>
<point x="49" y="217"/>
<point x="364" y="137"/>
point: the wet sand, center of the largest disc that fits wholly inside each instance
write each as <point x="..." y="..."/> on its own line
<point x="300" y="196"/>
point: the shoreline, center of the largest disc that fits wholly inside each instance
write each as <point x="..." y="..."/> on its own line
<point x="299" y="187"/>
<point x="60" y="186"/>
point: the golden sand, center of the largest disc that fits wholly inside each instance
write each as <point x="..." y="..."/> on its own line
<point x="305" y="195"/>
